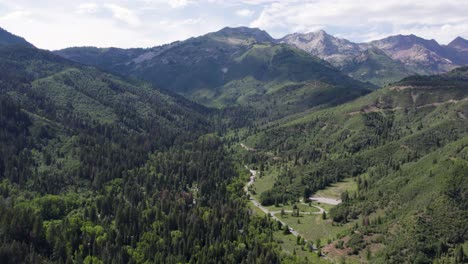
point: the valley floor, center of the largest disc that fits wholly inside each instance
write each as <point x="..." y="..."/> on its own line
<point x="310" y="223"/>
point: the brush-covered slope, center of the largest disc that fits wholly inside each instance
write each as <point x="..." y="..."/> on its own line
<point x="374" y="66"/>
<point x="232" y="67"/>
<point x="406" y="145"/>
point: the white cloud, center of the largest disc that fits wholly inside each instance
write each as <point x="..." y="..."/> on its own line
<point x="17" y="14"/>
<point x="361" y="19"/>
<point x="179" y="23"/>
<point x="179" y="3"/>
<point x="57" y="24"/>
<point x="123" y="14"/>
<point x="88" y="8"/>
<point x="244" y="12"/>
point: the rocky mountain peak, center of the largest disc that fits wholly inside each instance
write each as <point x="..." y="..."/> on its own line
<point x="404" y="42"/>
<point x="321" y="44"/>
<point x="459" y="42"/>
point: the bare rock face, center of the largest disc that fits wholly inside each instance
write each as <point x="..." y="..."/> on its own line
<point x="395" y="56"/>
<point x="360" y="61"/>
<point x="420" y="55"/>
<point x="334" y="50"/>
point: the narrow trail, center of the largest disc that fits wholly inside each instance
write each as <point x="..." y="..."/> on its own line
<point x="272" y="214"/>
<point x="374" y="108"/>
<point x="253" y="174"/>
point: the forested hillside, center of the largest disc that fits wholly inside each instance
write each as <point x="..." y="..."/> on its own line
<point x="230" y="68"/>
<point x="405" y="145"/>
<point x="96" y="169"/>
<point x="104" y="160"/>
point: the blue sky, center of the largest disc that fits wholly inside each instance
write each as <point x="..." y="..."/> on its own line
<point x="55" y="24"/>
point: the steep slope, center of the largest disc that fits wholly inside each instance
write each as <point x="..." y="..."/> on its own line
<point x="6" y="38"/>
<point x="61" y="96"/>
<point x="373" y="65"/>
<point x="383" y="61"/>
<point x="457" y="51"/>
<point x="459" y="43"/>
<point x="334" y="50"/>
<point x="406" y="146"/>
<point x="98" y="169"/>
<point x="359" y="61"/>
<point x="233" y="67"/>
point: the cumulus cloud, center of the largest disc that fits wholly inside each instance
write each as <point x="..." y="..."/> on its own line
<point x="17" y="14"/>
<point x="362" y="20"/>
<point x="179" y="3"/>
<point x="57" y="24"/>
<point x="123" y="14"/>
<point x="244" y="12"/>
<point x="88" y="8"/>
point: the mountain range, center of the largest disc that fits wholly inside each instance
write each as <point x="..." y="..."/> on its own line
<point x="232" y="67"/>
<point x="386" y="60"/>
<point x="379" y="62"/>
<point x="159" y="155"/>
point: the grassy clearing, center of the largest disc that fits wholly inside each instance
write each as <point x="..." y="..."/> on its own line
<point x="289" y="245"/>
<point x="264" y="182"/>
<point x="289" y="207"/>
<point x="336" y="189"/>
<point x="313" y="227"/>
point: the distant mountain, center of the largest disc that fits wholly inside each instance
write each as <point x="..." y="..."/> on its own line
<point x="231" y="67"/>
<point x="417" y="54"/>
<point x="242" y="35"/>
<point x="459" y="43"/>
<point x="359" y="61"/>
<point x="383" y="61"/>
<point x="457" y="51"/>
<point x="334" y="50"/>
<point x="375" y="66"/>
<point x="6" y="38"/>
<point x="379" y="62"/>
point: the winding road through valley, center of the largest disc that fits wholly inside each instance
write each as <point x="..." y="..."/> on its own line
<point x="253" y="175"/>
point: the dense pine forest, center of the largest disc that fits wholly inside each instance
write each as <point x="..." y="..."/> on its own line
<point x="105" y="161"/>
<point x="95" y="169"/>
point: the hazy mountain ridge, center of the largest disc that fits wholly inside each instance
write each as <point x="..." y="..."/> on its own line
<point x="232" y="67"/>
<point x="401" y="55"/>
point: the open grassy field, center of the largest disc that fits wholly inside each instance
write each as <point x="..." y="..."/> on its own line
<point x="336" y="189"/>
<point x="264" y="182"/>
<point x="290" y="246"/>
<point x="313" y="227"/>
